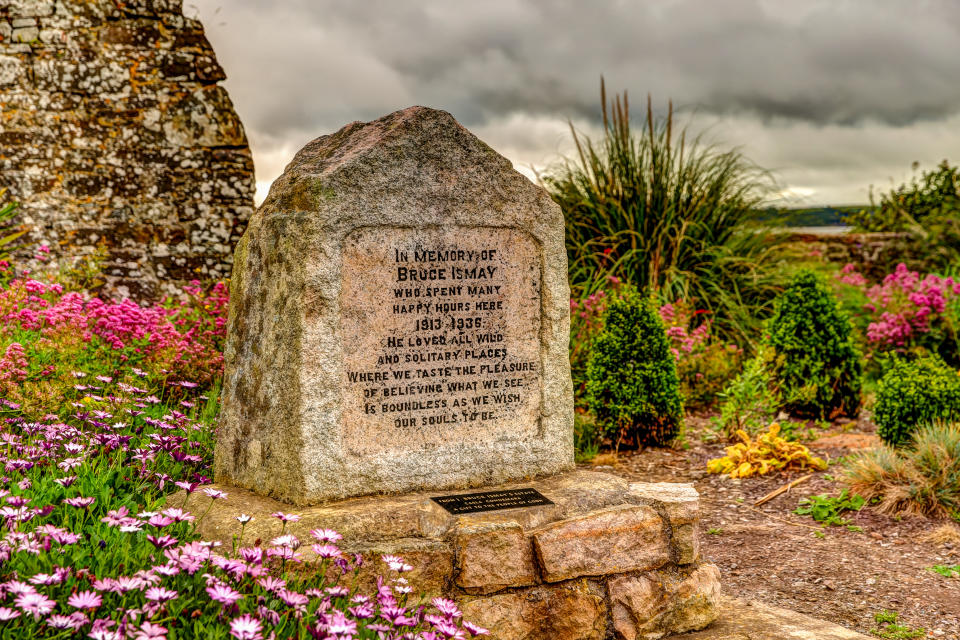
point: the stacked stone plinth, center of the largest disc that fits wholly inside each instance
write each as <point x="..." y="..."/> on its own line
<point x="607" y="559"/>
<point x="115" y="132"/>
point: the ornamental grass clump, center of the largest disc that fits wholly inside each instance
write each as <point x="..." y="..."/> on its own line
<point x="912" y="393"/>
<point x="632" y="385"/>
<point x="668" y="213"/>
<point x="921" y="477"/>
<point x="813" y="358"/>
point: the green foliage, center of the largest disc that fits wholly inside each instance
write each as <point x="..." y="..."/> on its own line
<point x="915" y="204"/>
<point x="912" y="393"/>
<point x="926" y="211"/>
<point x="632" y="384"/>
<point x="890" y="630"/>
<point x="946" y="570"/>
<point x="814" y="360"/>
<point x="922" y="477"/>
<point x="670" y="215"/>
<point x="704" y="363"/>
<point x="702" y="378"/>
<point x="828" y="510"/>
<point x="9" y="235"/>
<point x="86" y="273"/>
<point x="587" y="437"/>
<point x="749" y="402"/>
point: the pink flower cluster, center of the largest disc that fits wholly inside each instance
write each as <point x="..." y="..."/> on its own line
<point x="185" y="331"/>
<point x="684" y="341"/>
<point x="908" y="305"/>
<point x="850" y="275"/>
<point x="13" y="365"/>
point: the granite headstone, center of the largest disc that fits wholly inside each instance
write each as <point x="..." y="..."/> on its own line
<point x="399" y="321"/>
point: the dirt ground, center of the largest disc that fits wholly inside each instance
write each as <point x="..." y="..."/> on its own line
<point x="769" y="554"/>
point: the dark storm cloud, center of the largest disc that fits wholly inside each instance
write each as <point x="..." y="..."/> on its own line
<point x="820" y="62"/>
<point x="833" y="95"/>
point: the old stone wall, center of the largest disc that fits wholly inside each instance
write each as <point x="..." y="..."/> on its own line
<point x="115" y="131"/>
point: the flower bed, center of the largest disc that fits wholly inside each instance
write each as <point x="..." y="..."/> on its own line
<point x="106" y="408"/>
<point x="909" y="312"/>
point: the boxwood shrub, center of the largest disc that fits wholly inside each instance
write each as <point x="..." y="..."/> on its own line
<point x="914" y="393"/>
<point x="632" y="383"/>
<point x="814" y="359"/>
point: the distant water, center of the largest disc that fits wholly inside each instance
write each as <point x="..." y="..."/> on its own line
<point x="831" y="230"/>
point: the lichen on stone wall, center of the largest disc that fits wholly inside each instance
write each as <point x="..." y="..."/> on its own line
<point x="114" y="130"/>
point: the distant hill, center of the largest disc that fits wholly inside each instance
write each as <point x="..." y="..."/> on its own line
<point x="807" y="216"/>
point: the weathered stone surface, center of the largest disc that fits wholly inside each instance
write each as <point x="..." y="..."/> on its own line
<point x="432" y="562"/>
<point x="114" y="132"/>
<point x="572" y="611"/>
<point x="653" y="605"/>
<point x="678" y="504"/>
<point x="685" y="540"/>
<point x="493" y="557"/>
<point x="693" y="603"/>
<point x="740" y="620"/>
<point x="584" y="491"/>
<point x="608" y="541"/>
<point x="634" y="600"/>
<point x="380" y="517"/>
<point x="354" y="235"/>
<point x="367" y="519"/>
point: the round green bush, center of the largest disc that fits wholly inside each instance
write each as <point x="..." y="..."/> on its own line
<point x="914" y="393"/>
<point x="815" y="363"/>
<point x="632" y="383"/>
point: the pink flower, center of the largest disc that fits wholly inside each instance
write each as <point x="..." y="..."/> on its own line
<point x="215" y="494"/>
<point x="246" y="627"/>
<point x="178" y="515"/>
<point x="286" y="517"/>
<point x="85" y="600"/>
<point x="327" y="551"/>
<point x="150" y="631"/>
<point x="79" y="502"/>
<point x="6" y="613"/>
<point x="447" y="607"/>
<point x="396" y="563"/>
<point x="326" y="535"/>
<point x="162" y="542"/>
<point x="286" y="540"/>
<point x="272" y="584"/>
<point x="36" y="604"/>
<point x="475" y="630"/>
<point x="223" y="594"/>
<point x="160" y="594"/>
<point x="339" y="625"/>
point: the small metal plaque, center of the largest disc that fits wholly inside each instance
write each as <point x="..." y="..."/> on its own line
<point x="491" y="500"/>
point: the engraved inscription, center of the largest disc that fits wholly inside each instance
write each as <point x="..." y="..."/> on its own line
<point x="441" y="335"/>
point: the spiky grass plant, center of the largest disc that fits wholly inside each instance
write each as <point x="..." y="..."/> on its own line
<point x="923" y="478"/>
<point x="9" y="236"/>
<point x="671" y="215"/>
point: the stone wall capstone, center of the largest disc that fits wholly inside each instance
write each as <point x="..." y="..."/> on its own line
<point x="114" y="131"/>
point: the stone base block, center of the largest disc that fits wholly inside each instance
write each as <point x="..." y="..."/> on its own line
<point x="607" y="559"/>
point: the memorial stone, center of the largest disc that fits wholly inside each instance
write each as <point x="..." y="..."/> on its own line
<point x="399" y="321"/>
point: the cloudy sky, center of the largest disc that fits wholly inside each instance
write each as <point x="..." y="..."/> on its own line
<point x="833" y="95"/>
